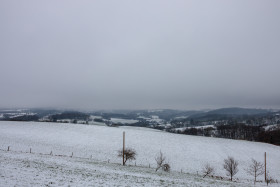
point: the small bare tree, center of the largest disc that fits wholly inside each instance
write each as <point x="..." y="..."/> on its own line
<point x="160" y="159"/>
<point x="231" y="167"/>
<point x="255" y="169"/>
<point x="207" y="170"/>
<point x="129" y="154"/>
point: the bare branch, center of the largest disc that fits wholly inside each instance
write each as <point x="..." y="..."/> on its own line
<point x="231" y="167"/>
<point x="255" y="169"/>
<point x="129" y="154"/>
<point x="160" y="159"/>
<point x="207" y="170"/>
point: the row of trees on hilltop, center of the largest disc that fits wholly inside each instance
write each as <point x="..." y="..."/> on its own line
<point x="236" y="131"/>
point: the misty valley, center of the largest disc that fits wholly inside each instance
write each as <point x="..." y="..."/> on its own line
<point x="234" y="123"/>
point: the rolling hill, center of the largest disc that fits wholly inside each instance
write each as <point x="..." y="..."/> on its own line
<point x="101" y="143"/>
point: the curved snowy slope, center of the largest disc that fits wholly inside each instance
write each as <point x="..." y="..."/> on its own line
<point x="188" y="153"/>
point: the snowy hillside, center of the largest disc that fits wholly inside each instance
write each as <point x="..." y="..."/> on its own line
<point x="186" y="153"/>
<point x="24" y="169"/>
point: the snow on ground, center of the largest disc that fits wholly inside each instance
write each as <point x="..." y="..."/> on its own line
<point x="186" y="153"/>
<point x="152" y="118"/>
<point x="196" y="127"/>
<point x="64" y="120"/>
<point x="92" y="117"/>
<point x="96" y="123"/>
<point x="123" y="121"/>
<point x="156" y="119"/>
<point x="13" y="115"/>
<point x="25" y="169"/>
<point x="272" y="127"/>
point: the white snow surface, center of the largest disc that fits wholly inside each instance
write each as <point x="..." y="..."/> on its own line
<point x="95" y="117"/>
<point x="272" y="127"/>
<point x="123" y="121"/>
<point x="25" y="169"/>
<point x="196" y="127"/>
<point x="183" y="152"/>
<point x="152" y="118"/>
<point x="65" y="120"/>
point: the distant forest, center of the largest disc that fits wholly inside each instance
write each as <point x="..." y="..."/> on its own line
<point x="232" y="123"/>
<point x="237" y="132"/>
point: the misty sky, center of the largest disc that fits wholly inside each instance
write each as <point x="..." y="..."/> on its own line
<point x="140" y="54"/>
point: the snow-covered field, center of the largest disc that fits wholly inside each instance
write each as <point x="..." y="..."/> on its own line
<point x="196" y="127"/>
<point x="152" y="118"/>
<point x="24" y="169"/>
<point x="123" y="121"/>
<point x="95" y="145"/>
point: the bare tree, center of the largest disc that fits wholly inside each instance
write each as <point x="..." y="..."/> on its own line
<point x="207" y="170"/>
<point x="231" y="166"/>
<point x="269" y="179"/>
<point x="160" y="159"/>
<point x="255" y="169"/>
<point x="129" y="154"/>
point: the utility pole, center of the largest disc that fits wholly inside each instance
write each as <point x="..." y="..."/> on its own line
<point x="123" y="145"/>
<point x="265" y="166"/>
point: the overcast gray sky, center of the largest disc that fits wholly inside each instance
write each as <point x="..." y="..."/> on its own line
<point x="140" y="54"/>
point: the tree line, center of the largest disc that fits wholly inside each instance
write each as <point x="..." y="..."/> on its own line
<point x="236" y="131"/>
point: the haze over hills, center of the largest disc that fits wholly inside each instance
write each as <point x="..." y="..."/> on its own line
<point x="224" y="113"/>
<point x="198" y="80"/>
<point x="246" y="123"/>
<point x="166" y="114"/>
<point x="239" y="111"/>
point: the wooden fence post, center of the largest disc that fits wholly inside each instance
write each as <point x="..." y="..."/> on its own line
<point x="264" y="166"/>
<point x="123" y="146"/>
